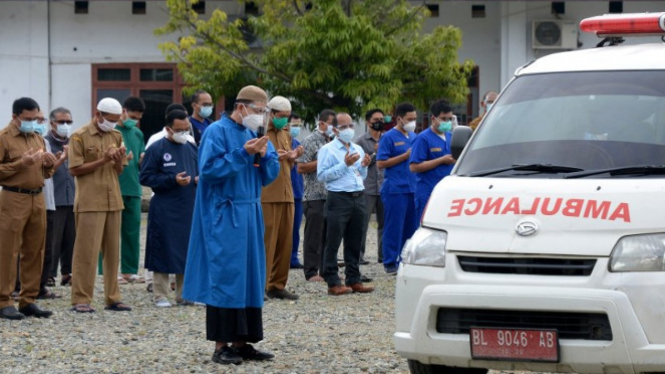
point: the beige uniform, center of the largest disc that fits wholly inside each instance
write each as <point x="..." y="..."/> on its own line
<point x="97" y="207"/>
<point x="22" y="215"/>
<point x="278" y="210"/>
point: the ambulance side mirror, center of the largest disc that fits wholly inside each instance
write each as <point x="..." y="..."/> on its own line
<point x="461" y="136"/>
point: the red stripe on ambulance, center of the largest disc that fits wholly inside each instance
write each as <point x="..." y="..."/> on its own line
<point x="545" y="206"/>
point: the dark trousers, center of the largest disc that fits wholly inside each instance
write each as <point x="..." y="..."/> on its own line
<point x="374" y="204"/>
<point x="48" y="250"/>
<point x="64" y="236"/>
<point x="315" y="237"/>
<point x="345" y="215"/>
<point x="297" y="220"/>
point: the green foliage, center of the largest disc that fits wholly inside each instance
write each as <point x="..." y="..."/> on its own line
<point x="350" y="55"/>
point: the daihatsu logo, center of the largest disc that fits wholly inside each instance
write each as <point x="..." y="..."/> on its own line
<point x="526" y="228"/>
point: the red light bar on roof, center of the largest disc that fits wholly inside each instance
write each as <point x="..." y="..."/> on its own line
<point x="625" y="24"/>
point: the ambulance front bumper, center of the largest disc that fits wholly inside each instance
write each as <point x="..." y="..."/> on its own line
<point x="421" y="291"/>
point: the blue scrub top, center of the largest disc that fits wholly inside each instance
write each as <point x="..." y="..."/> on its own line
<point x="398" y="179"/>
<point x="296" y="178"/>
<point x="199" y="127"/>
<point x="429" y="146"/>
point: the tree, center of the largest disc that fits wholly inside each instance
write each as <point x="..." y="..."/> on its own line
<point x="349" y="55"/>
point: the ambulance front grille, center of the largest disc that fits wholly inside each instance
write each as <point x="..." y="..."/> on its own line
<point x="580" y="326"/>
<point x="527" y="265"/>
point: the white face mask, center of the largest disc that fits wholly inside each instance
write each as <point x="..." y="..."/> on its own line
<point x="252" y="121"/>
<point x="63" y="130"/>
<point x="106" y="126"/>
<point x="180" y="137"/>
<point x="410" y="126"/>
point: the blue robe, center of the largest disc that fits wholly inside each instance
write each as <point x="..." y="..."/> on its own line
<point x="170" y="214"/>
<point x="226" y="260"/>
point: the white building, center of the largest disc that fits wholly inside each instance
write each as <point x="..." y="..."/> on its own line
<point x="71" y="53"/>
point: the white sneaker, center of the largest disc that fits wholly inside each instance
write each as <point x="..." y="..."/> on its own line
<point x="163" y="304"/>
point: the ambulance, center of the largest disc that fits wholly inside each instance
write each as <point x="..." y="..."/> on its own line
<point x="545" y="248"/>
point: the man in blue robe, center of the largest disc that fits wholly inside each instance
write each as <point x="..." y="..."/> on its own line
<point x="170" y="168"/>
<point x="226" y="259"/>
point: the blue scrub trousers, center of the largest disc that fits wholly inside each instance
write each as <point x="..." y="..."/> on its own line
<point x="420" y="203"/>
<point x="297" y="220"/>
<point x="399" y="225"/>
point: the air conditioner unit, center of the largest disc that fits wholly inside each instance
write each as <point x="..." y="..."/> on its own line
<point x="554" y="34"/>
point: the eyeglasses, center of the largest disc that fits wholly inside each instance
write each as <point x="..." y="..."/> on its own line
<point x="40" y="120"/>
<point x="63" y="122"/>
<point x="344" y="127"/>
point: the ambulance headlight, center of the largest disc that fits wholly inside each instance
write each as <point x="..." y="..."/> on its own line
<point x="639" y="253"/>
<point x="426" y="247"/>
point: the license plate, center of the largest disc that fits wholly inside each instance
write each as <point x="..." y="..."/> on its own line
<point x="514" y="344"/>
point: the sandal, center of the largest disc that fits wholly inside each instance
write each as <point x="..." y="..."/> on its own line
<point x="50" y="282"/>
<point x="66" y="279"/>
<point x="83" y="308"/>
<point x="118" y="307"/>
<point x="48" y="295"/>
<point x="122" y="280"/>
<point x="134" y="279"/>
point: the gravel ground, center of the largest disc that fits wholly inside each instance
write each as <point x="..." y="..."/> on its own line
<point x="316" y="334"/>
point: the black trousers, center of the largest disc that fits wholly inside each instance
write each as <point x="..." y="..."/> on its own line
<point x="234" y="325"/>
<point x="345" y="215"/>
<point x="315" y="237"/>
<point x="374" y="204"/>
<point x="62" y="240"/>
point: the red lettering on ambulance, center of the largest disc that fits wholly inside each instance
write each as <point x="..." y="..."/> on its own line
<point x="512" y="206"/>
<point x="550" y="212"/>
<point x="471" y="212"/>
<point x="490" y="204"/>
<point x="573" y="208"/>
<point x="621" y="212"/>
<point x="534" y="207"/>
<point x="456" y="208"/>
<point x="594" y="210"/>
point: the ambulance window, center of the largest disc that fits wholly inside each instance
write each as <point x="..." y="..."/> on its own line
<point x="585" y="120"/>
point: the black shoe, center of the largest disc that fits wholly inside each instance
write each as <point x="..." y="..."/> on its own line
<point x="281" y="294"/>
<point x="363" y="262"/>
<point x="10" y="312"/>
<point x="297" y="266"/>
<point x="32" y="310"/>
<point x="248" y="353"/>
<point x="340" y="263"/>
<point x="365" y="279"/>
<point x="226" y="356"/>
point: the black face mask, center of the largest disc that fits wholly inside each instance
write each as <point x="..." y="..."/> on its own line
<point x="378" y="126"/>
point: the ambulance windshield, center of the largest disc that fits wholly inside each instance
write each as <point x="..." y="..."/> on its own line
<point x="582" y="120"/>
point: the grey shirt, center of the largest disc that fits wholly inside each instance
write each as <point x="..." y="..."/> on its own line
<point x="63" y="182"/>
<point x="374" y="178"/>
<point x="314" y="190"/>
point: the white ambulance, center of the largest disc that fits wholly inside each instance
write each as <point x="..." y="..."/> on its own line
<point x="545" y="250"/>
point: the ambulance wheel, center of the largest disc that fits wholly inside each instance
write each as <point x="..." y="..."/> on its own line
<point x="417" y="367"/>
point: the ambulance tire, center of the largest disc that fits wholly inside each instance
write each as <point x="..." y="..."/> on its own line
<point x="417" y="367"/>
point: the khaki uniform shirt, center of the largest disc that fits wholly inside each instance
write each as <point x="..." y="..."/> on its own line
<point x="280" y="190"/>
<point x="98" y="191"/>
<point x="476" y="121"/>
<point x="13" y="144"/>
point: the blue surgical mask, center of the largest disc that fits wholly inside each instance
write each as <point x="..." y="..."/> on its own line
<point x="387" y="118"/>
<point x="205" y="111"/>
<point x="329" y="131"/>
<point x="40" y="129"/>
<point x="28" y="127"/>
<point x="63" y="130"/>
<point x="488" y="106"/>
<point x="445" y="126"/>
<point x="346" y="135"/>
<point x="295" y="131"/>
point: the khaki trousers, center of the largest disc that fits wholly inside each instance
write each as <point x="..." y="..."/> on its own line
<point x="22" y="231"/>
<point x="161" y="286"/>
<point x="278" y="240"/>
<point x="95" y="231"/>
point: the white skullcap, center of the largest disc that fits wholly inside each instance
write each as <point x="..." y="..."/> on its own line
<point x="109" y="105"/>
<point x="280" y="104"/>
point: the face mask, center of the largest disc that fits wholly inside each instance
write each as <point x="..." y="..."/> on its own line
<point x="445" y="126"/>
<point x="28" y="127"/>
<point x="387" y="118"/>
<point x="409" y="127"/>
<point x="180" y="137"/>
<point x="378" y="126"/>
<point x="129" y="123"/>
<point x="329" y="131"/>
<point x="279" y="123"/>
<point x="205" y="111"/>
<point x="40" y="129"/>
<point x="63" y="130"/>
<point x="488" y="106"/>
<point x="106" y="126"/>
<point x="346" y="135"/>
<point x="295" y="131"/>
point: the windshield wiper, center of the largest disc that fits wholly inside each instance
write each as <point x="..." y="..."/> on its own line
<point x="624" y="170"/>
<point x="543" y="168"/>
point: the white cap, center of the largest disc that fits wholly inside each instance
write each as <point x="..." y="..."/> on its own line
<point x="109" y="105"/>
<point x="280" y="104"/>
